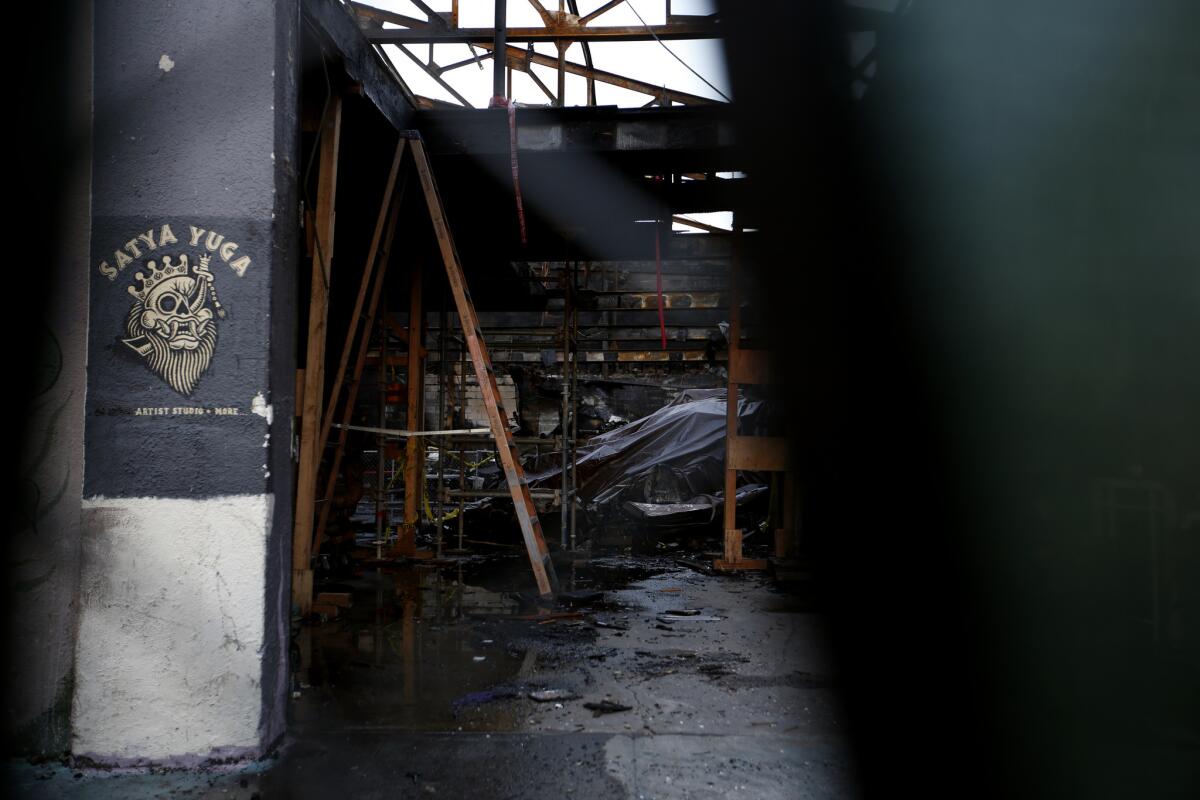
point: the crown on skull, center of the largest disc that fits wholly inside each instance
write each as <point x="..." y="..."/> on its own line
<point x="157" y="275"/>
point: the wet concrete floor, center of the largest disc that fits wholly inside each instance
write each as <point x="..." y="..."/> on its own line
<point x="421" y="689"/>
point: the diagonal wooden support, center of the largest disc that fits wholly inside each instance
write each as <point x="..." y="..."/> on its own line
<point x="531" y="530"/>
<point x="385" y="228"/>
<point x="381" y="223"/>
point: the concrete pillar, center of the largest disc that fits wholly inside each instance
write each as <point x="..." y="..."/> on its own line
<point x="182" y="645"/>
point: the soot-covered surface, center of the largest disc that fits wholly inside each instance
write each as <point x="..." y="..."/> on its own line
<point x="421" y="689"/>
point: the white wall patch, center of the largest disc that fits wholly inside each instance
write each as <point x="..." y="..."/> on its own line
<point x="260" y="406"/>
<point x="169" y="656"/>
<point x="165" y="63"/>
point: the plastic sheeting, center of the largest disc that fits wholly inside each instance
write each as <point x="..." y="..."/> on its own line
<point x="700" y="510"/>
<point x="673" y="457"/>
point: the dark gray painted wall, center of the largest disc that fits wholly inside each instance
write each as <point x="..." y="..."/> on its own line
<point x="190" y="146"/>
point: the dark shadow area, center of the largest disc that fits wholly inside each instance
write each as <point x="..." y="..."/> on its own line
<point x="48" y="178"/>
<point x="993" y="325"/>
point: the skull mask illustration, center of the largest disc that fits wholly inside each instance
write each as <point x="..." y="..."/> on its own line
<point x="169" y="312"/>
<point x="170" y="324"/>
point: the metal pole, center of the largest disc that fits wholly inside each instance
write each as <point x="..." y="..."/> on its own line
<point x="566" y="385"/>
<point x="380" y="502"/>
<point x="574" y="399"/>
<point x="441" y="440"/>
<point x="462" y="452"/>
<point x="562" y="75"/>
<point x="499" y="61"/>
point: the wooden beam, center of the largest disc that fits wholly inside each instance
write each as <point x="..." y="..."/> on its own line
<point x="749" y="366"/>
<point x="414" y="459"/>
<point x="465" y="62"/>
<point x="785" y="536"/>
<point x="380" y="15"/>
<point x="521" y="59"/>
<point x="691" y="223"/>
<point x="433" y="16"/>
<point x="381" y="224"/>
<point x="546" y="16"/>
<point x="531" y="531"/>
<point x="545" y="89"/>
<point x="723" y="565"/>
<point x="314" y="365"/>
<point x="606" y="7"/>
<point x="757" y="453"/>
<point x="364" y="341"/>
<point x="359" y="59"/>
<point x="438" y="78"/>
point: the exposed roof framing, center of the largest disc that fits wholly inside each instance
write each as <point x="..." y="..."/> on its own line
<point x="572" y="33"/>
<point x="561" y="28"/>
<point x="362" y="62"/>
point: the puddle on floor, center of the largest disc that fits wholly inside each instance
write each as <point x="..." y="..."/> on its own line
<point x="439" y="648"/>
<point x="413" y="644"/>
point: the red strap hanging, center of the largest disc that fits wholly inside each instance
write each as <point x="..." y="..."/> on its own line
<point x="662" y="322"/>
<point x="512" y="147"/>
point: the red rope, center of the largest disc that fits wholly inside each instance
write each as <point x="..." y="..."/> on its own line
<point x="662" y="322"/>
<point x="512" y="147"/>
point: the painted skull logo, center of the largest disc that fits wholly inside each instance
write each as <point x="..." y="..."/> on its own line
<point x="170" y="324"/>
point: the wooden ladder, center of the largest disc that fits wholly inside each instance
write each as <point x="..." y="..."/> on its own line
<point x="510" y="459"/>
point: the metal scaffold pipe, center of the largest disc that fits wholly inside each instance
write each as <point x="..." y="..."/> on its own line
<point x="498" y="66"/>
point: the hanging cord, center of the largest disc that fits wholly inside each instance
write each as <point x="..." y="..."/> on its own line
<point x="512" y="147"/>
<point x="662" y="320"/>
<point x="650" y="31"/>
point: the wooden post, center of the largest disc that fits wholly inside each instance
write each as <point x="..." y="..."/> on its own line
<point x="785" y="537"/>
<point x="322" y="222"/>
<point x="414" y="454"/>
<point x="737" y="447"/>
<point x="733" y="535"/>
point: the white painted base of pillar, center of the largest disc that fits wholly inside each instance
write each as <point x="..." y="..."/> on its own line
<point x="169" y="661"/>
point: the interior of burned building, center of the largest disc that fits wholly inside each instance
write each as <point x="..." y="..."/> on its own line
<point x="704" y="400"/>
<point x="515" y="510"/>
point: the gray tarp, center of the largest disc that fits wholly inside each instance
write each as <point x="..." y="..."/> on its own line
<point x="673" y="457"/>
